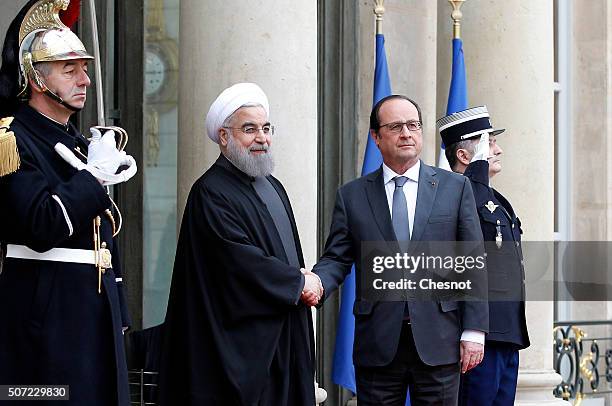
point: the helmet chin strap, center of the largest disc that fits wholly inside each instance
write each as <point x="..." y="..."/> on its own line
<point x="54" y="96"/>
<point x="51" y="94"/>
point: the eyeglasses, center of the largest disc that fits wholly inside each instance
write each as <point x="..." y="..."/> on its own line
<point x="398" y="126"/>
<point x="252" y="130"/>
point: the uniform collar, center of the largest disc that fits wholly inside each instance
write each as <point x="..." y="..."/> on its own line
<point x="412" y="173"/>
<point x="478" y="171"/>
<point x="62" y="126"/>
<point x="49" y="131"/>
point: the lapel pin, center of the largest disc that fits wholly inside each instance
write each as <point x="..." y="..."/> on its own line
<point x="491" y="206"/>
<point x="433" y="183"/>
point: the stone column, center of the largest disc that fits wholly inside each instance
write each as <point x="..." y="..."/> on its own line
<point x="591" y="104"/>
<point x="508" y="50"/>
<point x="271" y="43"/>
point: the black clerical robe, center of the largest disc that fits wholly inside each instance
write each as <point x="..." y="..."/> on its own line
<point x="236" y="332"/>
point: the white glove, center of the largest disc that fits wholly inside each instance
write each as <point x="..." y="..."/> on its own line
<point x="107" y="179"/>
<point x="481" y="152"/>
<point x="102" y="152"/>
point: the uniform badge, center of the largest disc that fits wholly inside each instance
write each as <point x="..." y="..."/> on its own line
<point x="105" y="260"/>
<point x="491" y="206"/>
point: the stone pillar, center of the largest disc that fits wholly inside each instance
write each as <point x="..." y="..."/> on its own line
<point x="508" y="49"/>
<point x="590" y="144"/>
<point x="592" y="123"/>
<point x="410" y="42"/>
<point x="271" y="43"/>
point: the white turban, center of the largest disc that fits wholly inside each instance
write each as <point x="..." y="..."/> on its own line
<point x="230" y="100"/>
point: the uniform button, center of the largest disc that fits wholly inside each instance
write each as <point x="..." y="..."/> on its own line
<point x="512" y="225"/>
<point x="497" y="221"/>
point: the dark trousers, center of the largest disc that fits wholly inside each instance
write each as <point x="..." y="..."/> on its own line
<point x="493" y="381"/>
<point x="387" y="385"/>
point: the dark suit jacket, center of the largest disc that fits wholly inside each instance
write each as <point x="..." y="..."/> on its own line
<point x="506" y="274"/>
<point x="445" y="211"/>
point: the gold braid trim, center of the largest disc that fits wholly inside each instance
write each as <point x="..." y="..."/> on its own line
<point x="9" y="155"/>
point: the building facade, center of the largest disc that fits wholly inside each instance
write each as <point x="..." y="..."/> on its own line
<point x="543" y="68"/>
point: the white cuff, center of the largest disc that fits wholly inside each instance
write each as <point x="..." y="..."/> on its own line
<point x="474" y="336"/>
<point x="68" y="222"/>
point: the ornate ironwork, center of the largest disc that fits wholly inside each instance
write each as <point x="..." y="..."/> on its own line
<point x="580" y="370"/>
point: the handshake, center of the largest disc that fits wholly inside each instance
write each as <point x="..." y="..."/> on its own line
<point x="104" y="157"/>
<point x="313" y="288"/>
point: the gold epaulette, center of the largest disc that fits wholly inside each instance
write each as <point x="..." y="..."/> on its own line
<point x="9" y="155"/>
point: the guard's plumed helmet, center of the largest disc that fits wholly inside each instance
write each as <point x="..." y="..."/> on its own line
<point x="36" y="35"/>
<point x="43" y="37"/>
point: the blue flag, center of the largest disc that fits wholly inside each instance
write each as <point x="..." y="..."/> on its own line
<point x="382" y="88"/>
<point x="457" y="95"/>
<point x="343" y="371"/>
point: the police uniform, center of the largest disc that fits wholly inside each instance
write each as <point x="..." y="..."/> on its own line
<point x="62" y="305"/>
<point x="493" y="381"/>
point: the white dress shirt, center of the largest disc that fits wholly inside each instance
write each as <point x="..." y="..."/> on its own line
<point x="410" y="190"/>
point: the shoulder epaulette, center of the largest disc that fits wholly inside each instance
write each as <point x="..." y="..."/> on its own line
<point x="9" y="155"/>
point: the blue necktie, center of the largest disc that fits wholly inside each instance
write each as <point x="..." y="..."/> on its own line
<point x="399" y="217"/>
<point x="399" y="211"/>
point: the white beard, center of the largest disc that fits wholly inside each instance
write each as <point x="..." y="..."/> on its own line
<point x="252" y="165"/>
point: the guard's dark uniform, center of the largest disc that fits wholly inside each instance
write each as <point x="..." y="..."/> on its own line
<point x="56" y="329"/>
<point x="495" y="378"/>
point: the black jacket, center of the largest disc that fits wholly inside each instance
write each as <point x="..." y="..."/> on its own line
<point x="504" y="259"/>
<point x="56" y="328"/>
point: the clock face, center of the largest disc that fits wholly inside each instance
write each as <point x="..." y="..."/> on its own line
<point x="155" y="73"/>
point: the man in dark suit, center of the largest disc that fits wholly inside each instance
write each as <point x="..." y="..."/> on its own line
<point x="415" y="344"/>
<point x="472" y="149"/>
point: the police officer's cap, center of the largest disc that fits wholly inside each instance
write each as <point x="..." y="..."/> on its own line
<point x="466" y="124"/>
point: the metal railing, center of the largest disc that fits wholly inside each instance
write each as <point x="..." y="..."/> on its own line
<point x="584" y="373"/>
<point x="143" y="387"/>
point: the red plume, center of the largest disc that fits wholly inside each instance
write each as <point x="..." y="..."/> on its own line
<point x="71" y="15"/>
